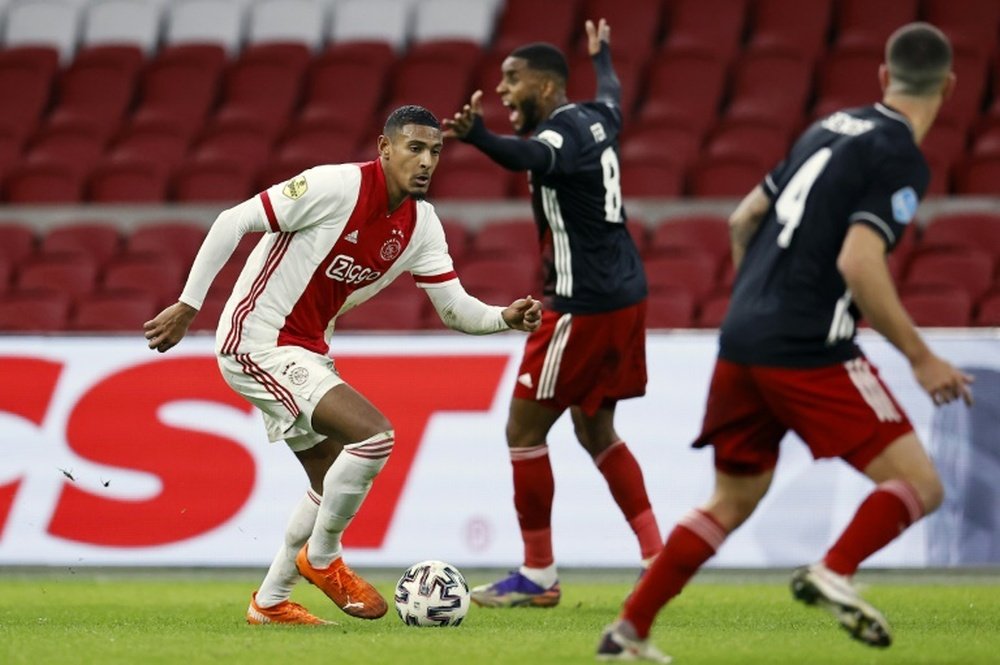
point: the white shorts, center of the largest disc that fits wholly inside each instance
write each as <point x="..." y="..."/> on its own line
<point x="285" y="383"/>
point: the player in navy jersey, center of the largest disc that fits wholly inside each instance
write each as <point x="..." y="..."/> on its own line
<point x="590" y="350"/>
<point x="810" y="244"/>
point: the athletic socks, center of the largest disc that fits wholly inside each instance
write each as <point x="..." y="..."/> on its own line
<point x="534" y="489"/>
<point x="624" y="478"/>
<point x="345" y="487"/>
<point x="888" y="510"/>
<point x="695" y="539"/>
<point x="282" y="575"/>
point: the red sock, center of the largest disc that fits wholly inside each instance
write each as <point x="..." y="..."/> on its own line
<point x="692" y="542"/>
<point x="893" y="506"/>
<point x="534" y="488"/>
<point x="624" y="478"/>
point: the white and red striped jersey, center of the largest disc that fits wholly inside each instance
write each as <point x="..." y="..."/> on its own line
<point x="331" y="245"/>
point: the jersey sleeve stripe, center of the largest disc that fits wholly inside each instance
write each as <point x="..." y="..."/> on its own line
<point x="435" y="279"/>
<point x="877" y="222"/>
<point x="272" y="219"/>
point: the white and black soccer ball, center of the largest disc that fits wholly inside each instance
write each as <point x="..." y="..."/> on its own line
<point x="432" y="593"/>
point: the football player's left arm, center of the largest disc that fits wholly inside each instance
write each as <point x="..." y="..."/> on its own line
<point x="609" y="88"/>
<point x="745" y="221"/>
<point x="460" y="311"/>
<point x="863" y="265"/>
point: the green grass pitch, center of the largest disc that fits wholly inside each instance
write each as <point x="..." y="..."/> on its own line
<point x="193" y="617"/>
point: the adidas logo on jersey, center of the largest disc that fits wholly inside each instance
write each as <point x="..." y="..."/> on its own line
<point x="352" y="237"/>
<point x="525" y="380"/>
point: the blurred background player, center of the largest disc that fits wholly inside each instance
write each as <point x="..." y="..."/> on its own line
<point x="810" y="245"/>
<point x="590" y="351"/>
<point x="335" y="236"/>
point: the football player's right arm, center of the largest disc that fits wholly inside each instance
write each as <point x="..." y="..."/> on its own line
<point x="168" y="327"/>
<point x="745" y="221"/>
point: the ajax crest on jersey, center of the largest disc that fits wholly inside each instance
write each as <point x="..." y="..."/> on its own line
<point x="432" y="593"/>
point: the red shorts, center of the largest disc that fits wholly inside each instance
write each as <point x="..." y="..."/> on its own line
<point x="839" y="410"/>
<point x="585" y="360"/>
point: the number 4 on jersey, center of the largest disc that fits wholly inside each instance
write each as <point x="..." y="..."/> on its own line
<point x="792" y="203"/>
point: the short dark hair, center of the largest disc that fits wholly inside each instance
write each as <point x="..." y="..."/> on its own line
<point x="411" y="114"/>
<point x="919" y="59"/>
<point x="544" y="57"/>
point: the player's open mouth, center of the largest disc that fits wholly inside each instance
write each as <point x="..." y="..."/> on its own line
<point x="515" y="113"/>
<point x="422" y="180"/>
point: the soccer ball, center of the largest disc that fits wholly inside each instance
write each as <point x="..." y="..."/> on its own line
<point x="432" y="593"/>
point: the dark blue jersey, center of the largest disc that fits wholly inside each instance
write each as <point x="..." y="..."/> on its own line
<point x="589" y="259"/>
<point x="790" y="306"/>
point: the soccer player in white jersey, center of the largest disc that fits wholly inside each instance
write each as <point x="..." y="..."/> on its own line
<point x="335" y="236"/>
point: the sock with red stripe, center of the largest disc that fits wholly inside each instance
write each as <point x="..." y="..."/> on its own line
<point x="534" y="489"/>
<point x="888" y="510"/>
<point x="282" y="575"/>
<point x="345" y="487"/>
<point x="624" y="478"/>
<point x="693" y="541"/>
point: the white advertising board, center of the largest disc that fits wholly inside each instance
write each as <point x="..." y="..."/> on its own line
<point x="111" y="454"/>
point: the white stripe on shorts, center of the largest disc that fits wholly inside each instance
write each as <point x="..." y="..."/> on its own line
<point x="553" y="357"/>
<point x="872" y="391"/>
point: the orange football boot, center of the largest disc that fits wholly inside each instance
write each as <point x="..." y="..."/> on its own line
<point x="343" y="586"/>
<point x="285" y="612"/>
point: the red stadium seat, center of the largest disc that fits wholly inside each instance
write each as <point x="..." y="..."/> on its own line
<point x="311" y="147"/>
<point x="259" y="91"/>
<point x="691" y="272"/>
<point x="249" y="144"/>
<point x="670" y="309"/>
<point x="938" y="308"/>
<point x="163" y="145"/>
<point x="970" y="25"/>
<point x="72" y="145"/>
<point x="19" y="241"/>
<point x="966" y="101"/>
<point x="157" y="275"/>
<point x="865" y="25"/>
<point x="386" y="312"/>
<point x="470" y="182"/>
<point x="705" y="26"/>
<point x="978" y="175"/>
<point x="700" y="77"/>
<point x="988" y="310"/>
<point x="112" y="312"/>
<point x="72" y="274"/>
<point x="987" y="142"/>
<point x="704" y="234"/>
<point x="790" y="27"/>
<point x="6" y="273"/>
<point x="639" y="232"/>
<point x="763" y="142"/>
<point x="635" y="25"/>
<point x="30" y="71"/>
<point x="971" y="230"/>
<point x="501" y="280"/>
<point x="755" y="97"/>
<point x="967" y="269"/>
<point x="712" y="311"/>
<point x="658" y="143"/>
<point x="901" y="254"/>
<point x="179" y="87"/>
<point x="729" y="176"/>
<point x="507" y="238"/>
<point x="179" y="239"/>
<point x="216" y="181"/>
<point x="97" y="92"/>
<point x="644" y="179"/>
<point x="43" y="183"/>
<point x="525" y="21"/>
<point x="452" y="79"/>
<point x="99" y="240"/>
<point x="941" y="176"/>
<point x="42" y="311"/>
<point x="847" y="79"/>
<point x="945" y="142"/>
<point x="128" y="181"/>
<point x="208" y="316"/>
<point x="459" y="240"/>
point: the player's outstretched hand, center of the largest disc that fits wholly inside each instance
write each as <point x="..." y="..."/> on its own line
<point x="169" y="326"/>
<point x="596" y="35"/>
<point x="524" y="314"/>
<point x="942" y="381"/>
<point x="459" y="126"/>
